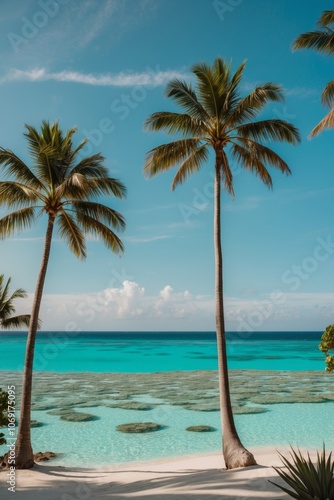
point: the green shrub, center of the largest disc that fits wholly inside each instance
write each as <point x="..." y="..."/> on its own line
<point x="326" y="345"/>
<point x="308" y="481"/>
<point x="3" y="414"/>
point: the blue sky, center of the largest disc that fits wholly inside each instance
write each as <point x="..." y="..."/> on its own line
<point x="102" y="65"/>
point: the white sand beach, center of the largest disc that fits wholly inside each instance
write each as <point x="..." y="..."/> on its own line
<point x="193" y="477"/>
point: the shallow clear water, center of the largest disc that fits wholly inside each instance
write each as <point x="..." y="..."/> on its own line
<point x="99" y="443"/>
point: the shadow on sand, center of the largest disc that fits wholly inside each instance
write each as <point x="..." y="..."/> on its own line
<point x="47" y="482"/>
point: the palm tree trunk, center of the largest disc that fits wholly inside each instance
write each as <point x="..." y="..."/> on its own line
<point x="235" y="455"/>
<point x="23" y="450"/>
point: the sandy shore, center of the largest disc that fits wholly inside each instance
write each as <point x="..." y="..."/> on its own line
<point x="193" y="477"/>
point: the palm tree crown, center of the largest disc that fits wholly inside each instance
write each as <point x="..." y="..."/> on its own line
<point x="217" y="117"/>
<point x="63" y="185"/>
<point x="7" y="309"/>
<point x="321" y="40"/>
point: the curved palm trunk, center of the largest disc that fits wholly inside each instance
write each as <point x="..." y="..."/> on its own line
<point x="23" y="449"/>
<point x="235" y="455"/>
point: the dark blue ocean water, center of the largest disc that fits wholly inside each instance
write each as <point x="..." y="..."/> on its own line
<point x="162" y="351"/>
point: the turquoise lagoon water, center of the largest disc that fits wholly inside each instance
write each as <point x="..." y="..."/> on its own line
<point x="163" y="351"/>
<point x="98" y="443"/>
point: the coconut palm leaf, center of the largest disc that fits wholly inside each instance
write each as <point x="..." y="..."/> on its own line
<point x="250" y="106"/>
<point x="16" y="221"/>
<point x="100" y="231"/>
<point x="15" y="194"/>
<point x="18" y="169"/>
<point x="326" y="122"/>
<point x="168" y="155"/>
<point x="100" y="212"/>
<point x="16" y="322"/>
<point x="72" y="234"/>
<point x="173" y="123"/>
<point x="323" y="42"/>
<point x="191" y="164"/>
<point x="183" y="94"/>
<point x="270" y="130"/>
<point x="326" y="18"/>
<point x="327" y="96"/>
<point x="7" y="308"/>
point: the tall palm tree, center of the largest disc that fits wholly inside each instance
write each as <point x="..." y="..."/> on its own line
<point x="321" y="40"/>
<point x="7" y="309"/>
<point x="63" y="186"/>
<point x="216" y="118"/>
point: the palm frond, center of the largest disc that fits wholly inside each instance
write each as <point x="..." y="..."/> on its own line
<point x="15" y="322"/>
<point x="18" y="169"/>
<point x="101" y="231"/>
<point x="15" y="194"/>
<point x="190" y="165"/>
<point x="100" y="212"/>
<point x="274" y="129"/>
<point x="4" y="293"/>
<point x="168" y="155"/>
<point x="16" y="221"/>
<point x="326" y="18"/>
<point x="251" y="161"/>
<point x="72" y="234"/>
<point x="75" y="186"/>
<point x="208" y="82"/>
<point x="225" y="172"/>
<point x="174" y="123"/>
<point x="265" y="154"/>
<point x="326" y="122"/>
<point x="184" y="95"/>
<point x="327" y="96"/>
<point x="91" y="166"/>
<point x="319" y="40"/>
<point x="253" y="103"/>
<point x="78" y="186"/>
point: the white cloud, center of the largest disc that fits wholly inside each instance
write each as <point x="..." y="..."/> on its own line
<point x="148" y="78"/>
<point x="128" y="306"/>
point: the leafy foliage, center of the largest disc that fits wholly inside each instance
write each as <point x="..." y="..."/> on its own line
<point x="3" y="413"/>
<point x="216" y="117"/>
<point x="326" y="345"/>
<point x="321" y="40"/>
<point x="62" y="184"/>
<point x="7" y="309"/>
<point x="308" y="481"/>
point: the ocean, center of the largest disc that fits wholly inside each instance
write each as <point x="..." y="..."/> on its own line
<point x="88" y="383"/>
<point x="162" y="351"/>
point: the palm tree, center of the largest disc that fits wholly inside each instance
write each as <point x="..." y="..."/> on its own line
<point x="63" y="186"/>
<point x="216" y="118"/>
<point x="7" y="309"/>
<point x="321" y="40"/>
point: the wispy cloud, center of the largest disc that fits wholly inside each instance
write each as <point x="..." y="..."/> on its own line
<point x="149" y="77"/>
<point x="98" y="18"/>
<point x="148" y="239"/>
